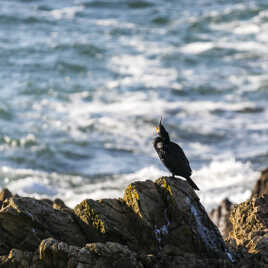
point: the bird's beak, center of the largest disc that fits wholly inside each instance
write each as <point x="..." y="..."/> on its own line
<point x="157" y="130"/>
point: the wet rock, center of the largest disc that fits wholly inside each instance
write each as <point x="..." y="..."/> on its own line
<point x="24" y="222"/>
<point x="189" y="227"/>
<point x="261" y="186"/>
<point x="172" y="208"/>
<point x="220" y="216"/>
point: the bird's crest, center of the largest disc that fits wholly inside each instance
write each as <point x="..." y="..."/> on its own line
<point x="161" y="131"/>
<point x="157" y="128"/>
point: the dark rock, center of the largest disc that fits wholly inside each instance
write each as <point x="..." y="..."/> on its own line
<point x="102" y="255"/>
<point x="59" y="204"/>
<point x="24" y="222"/>
<point x="261" y="186"/>
<point x="157" y="224"/>
<point x="220" y="216"/>
<point x="48" y="201"/>
<point x="116" y="222"/>
<point x="173" y="210"/>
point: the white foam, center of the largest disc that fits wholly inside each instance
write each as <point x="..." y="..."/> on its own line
<point x="226" y="178"/>
<point x="32" y="186"/>
<point x="221" y="179"/>
<point x="66" y="12"/>
<point x="71" y="189"/>
<point x="247" y="28"/>
<point x="197" y="47"/>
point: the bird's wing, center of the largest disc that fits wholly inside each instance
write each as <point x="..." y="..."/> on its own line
<point x="179" y="159"/>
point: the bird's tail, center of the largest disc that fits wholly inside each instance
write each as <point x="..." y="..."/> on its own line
<point x="190" y="181"/>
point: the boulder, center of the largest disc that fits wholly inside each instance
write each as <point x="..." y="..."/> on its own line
<point x="261" y="186"/>
<point x="25" y="222"/>
<point x="220" y="216"/>
<point x="179" y="221"/>
<point x="116" y="222"/>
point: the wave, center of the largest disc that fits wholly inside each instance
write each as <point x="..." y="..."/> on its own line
<point x="218" y="180"/>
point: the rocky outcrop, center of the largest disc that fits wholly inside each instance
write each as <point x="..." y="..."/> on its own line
<point x="220" y="216"/>
<point x="156" y="224"/>
<point x="250" y="224"/>
<point x="171" y="209"/>
<point x="261" y="186"/>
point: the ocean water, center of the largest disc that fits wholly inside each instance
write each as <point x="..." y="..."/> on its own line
<point x="84" y="82"/>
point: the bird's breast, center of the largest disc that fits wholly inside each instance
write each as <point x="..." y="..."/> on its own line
<point x="159" y="145"/>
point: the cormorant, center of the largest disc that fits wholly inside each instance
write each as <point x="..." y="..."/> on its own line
<point x="172" y="155"/>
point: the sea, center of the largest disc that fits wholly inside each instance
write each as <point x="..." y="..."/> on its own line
<point x="83" y="83"/>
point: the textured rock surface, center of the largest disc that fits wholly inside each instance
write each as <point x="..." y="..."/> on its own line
<point x="261" y="186"/>
<point x="157" y="224"/>
<point x="25" y="222"/>
<point x="250" y="228"/>
<point x="115" y="221"/>
<point x="220" y="216"/>
<point x="250" y="223"/>
<point x="172" y="210"/>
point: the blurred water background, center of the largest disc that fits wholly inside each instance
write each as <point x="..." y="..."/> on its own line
<point x="82" y="84"/>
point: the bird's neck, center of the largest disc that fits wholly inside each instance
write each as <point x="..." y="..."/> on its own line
<point x="165" y="139"/>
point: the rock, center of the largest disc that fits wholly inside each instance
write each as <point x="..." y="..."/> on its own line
<point x="24" y="222"/>
<point x="261" y="186"/>
<point x="220" y="216"/>
<point x="19" y="258"/>
<point x="172" y="208"/>
<point x="116" y="222"/>
<point x="60" y="205"/>
<point x="55" y="253"/>
<point x="102" y="255"/>
<point x="156" y="224"/>
<point x="4" y="194"/>
<point x="250" y="227"/>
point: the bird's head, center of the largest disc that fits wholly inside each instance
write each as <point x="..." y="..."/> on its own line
<point x="161" y="131"/>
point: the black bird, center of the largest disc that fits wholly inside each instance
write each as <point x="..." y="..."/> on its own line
<point x="172" y="155"/>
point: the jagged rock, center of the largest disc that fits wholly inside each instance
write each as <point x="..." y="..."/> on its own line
<point x="59" y="204"/>
<point x="24" y="222"/>
<point x="173" y="210"/>
<point x="250" y="227"/>
<point x="116" y="222"/>
<point x="4" y="194"/>
<point x="261" y="186"/>
<point x="157" y="224"/>
<point x="220" y="216"/>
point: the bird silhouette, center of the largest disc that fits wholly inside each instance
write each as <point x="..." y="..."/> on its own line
<point x="172" y="155"/>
